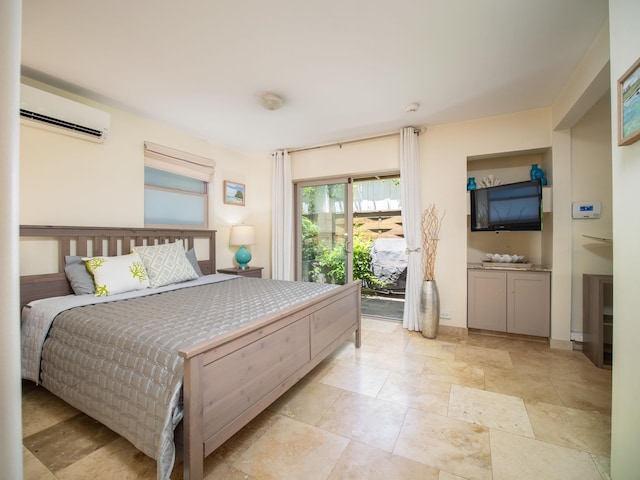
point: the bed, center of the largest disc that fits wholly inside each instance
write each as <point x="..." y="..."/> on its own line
<point x="230" y="347"/>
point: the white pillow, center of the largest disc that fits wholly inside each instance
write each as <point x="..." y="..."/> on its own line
<point x="117" y="274"/>
<point x="166" y="263"/>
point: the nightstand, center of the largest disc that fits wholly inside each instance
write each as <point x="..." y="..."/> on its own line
<point x="247" y="272"/>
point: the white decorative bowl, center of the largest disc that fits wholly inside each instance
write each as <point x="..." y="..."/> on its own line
<point x="504" y="258"/>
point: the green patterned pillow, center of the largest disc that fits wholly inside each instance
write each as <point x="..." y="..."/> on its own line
<point x="117" y="274"/>
<point x="166" y="263"/>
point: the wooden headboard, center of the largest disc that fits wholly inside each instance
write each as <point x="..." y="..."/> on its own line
<point x="104" y="241"/>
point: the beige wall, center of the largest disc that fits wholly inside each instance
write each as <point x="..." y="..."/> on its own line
<point x="358" y="158"/>
<point x="70" y="181"/>
<point x="591" y="181"/>
<point x="625" y="421"/>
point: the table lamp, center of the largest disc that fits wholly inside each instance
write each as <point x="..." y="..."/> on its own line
<point x="243" y="235"/>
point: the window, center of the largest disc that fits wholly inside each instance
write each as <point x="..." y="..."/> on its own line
<point x="172" y="199"/>
<point x="176" y="187"/>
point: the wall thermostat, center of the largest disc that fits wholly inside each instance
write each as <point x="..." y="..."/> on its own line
<point x="586" y="209"/>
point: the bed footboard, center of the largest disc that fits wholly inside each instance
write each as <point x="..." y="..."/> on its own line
<point x="229" y="380"/>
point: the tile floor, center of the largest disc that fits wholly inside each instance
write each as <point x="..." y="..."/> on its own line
<point x="402" y="406"/>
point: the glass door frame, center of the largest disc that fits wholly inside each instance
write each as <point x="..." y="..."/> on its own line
<point x="348" y="215"/>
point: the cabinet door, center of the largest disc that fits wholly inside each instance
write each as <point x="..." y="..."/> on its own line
<point x="487" y="304"/>
<point x="528" y="309"/>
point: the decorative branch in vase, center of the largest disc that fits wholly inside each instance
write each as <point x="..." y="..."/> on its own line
<point x="429" y="302"/>
<point x="430" y="236"/>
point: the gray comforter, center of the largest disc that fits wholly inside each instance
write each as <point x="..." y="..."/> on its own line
<point x="118" y="361"/>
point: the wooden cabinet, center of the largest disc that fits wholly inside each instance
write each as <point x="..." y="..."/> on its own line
<point x="509" y="301"/>
<point x="597" y="319"/>
<point x="246" y="272"/>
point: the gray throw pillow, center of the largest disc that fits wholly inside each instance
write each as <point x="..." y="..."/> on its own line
<point x="191" y="256"/>
<point x="79" y="277"/>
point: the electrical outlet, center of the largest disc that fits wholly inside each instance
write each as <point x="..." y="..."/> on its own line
<point x="445" y="315"/>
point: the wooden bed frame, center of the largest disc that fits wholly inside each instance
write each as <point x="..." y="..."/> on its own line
<point x="230" y="379"/>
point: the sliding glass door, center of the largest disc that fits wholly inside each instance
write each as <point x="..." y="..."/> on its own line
<point x="351" y="230"/>
<point x="324" y="230"/>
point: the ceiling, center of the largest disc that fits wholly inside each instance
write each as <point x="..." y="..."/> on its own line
<point x="346" y="69"/>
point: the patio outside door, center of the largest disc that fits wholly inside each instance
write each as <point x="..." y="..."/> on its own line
<point x="324" y="229"/>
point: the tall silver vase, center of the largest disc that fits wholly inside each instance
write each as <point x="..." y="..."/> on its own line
<point x="429" y="309"/>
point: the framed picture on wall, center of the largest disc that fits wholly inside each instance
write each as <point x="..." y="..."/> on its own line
<point x="234" y="193"/>
<point x="629" y="105"/>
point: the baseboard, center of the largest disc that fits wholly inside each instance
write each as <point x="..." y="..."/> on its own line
<point x="561" y="344"/>
<point x="453" y="331"/>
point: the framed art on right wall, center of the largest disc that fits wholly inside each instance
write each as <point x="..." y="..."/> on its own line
<point x="629" y="105"/>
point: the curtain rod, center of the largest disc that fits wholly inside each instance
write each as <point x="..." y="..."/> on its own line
<point x="346" y="142"/>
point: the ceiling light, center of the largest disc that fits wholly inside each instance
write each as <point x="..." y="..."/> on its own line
<point x="271" y="101"/>
<point x="412" y="107"/>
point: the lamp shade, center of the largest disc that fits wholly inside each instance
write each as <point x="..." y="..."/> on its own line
<point x="242" y="235"/>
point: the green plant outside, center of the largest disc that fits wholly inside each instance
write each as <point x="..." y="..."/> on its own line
<point x="329" y="263"/>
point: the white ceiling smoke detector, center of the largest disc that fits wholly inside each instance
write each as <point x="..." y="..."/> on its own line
<point x="412" y="107"/>
<point x="271" y="101"/>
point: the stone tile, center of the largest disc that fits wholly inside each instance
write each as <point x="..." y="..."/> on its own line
<point x="449" y="476"/>
<point x="582" y="396"/>
<point x="41" y="409"/>
<point x="416" y="392"/>
<point x="68" y="442"/>
<point x="461" y="373"/>
<point x="603" y="464"/>
<point x="33" y="469"/>
<point x="430" y="347"/>
<point x="535" y="363"/>
<point x="119" y="459"/>
<point x="308" y="401"/>
<point x="361" y="461"/>
<point x="582" y="370"/>
<point x="357" y="378"/>
<point x="569" y="427"/>
<point x="382" y="326"/>
<point x="321" y="369"/>
<point x="231" y="450"/>
<point x="292" y="450"/>
<point x="518" y="458"/>
<point x="368" y="420"/>
<point x="226" y="472"/>
<point x="489" y="409"/>
<point x="457" y="447"/>
<point x="529" y="386"/>
<point x="396" y="360"/>
<point x="383" y="339"/>
<point x="483" y="357"/>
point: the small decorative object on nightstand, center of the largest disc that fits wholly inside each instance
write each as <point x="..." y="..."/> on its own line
<point x="243" y="235"/>
<point x="243" y="272"/>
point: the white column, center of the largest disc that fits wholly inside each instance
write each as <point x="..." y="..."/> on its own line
<point x="562" y="242"/>
<point x="10" y="381"/>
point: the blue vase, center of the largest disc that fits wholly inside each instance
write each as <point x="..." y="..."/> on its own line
<point x="536" y="172"/>
<point x="471" y="183"/>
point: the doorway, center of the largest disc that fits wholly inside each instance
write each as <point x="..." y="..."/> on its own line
<point x="351" y="229"/>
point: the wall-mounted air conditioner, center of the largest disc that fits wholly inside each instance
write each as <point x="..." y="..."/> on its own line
<point x="46" y="110"/>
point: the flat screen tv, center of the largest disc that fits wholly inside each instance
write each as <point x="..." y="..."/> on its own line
<point x="509" y="207"/>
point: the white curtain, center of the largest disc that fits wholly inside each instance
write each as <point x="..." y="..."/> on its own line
<point x="282" y="218"/>
<point x="411" y="218"/>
